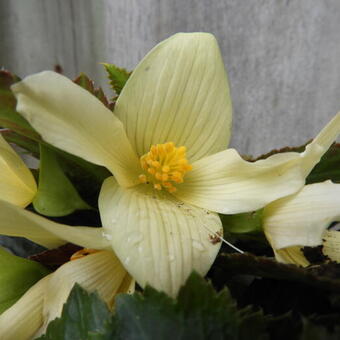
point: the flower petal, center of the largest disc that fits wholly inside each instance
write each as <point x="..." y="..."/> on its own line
<point x="228" y="184"/>
<point x="70" y="118"/>
<point x="24" y="318"/>
<point x="302" y="218"/>
<point x="101" y="272"/>
<point x="331" y="244"/>
<point x="291" y="255"/>
<point x="159" y="240"/>
<point x="16" y="221"/>
<point x="178" y="93"/>
<point x="17" y="184"/>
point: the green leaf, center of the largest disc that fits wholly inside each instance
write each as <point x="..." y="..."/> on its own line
<point x="56" y="195"/>
<point x="118" y="76"/>
<point x="86" y="83"/>
<point x="9" y="118"/>
<point x="84" y="317"/>
<point x="328" y="167"/>
<point x="17" y="275"/>
<point x="198" y="313"/>
<point x="243" y="223"/>
<point x="26" y="143"/>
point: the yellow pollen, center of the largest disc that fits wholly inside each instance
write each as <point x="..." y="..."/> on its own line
<point x="165" y="165"/>
<point x="82" y="253"/>
<point x="142" y="178"/>
<point x="157" y="186"/>
<point x="165" y="168"/>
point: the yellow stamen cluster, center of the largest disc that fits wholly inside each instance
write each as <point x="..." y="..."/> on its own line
<point x="82" y="253"/>
<point x="165" y="165"/>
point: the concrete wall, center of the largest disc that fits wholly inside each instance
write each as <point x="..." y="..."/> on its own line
<point x="283" y="57"/>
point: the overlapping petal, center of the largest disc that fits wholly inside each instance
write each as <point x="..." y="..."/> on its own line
<point x="16" y="221"/>
<point x="179" y="92"/>
<point x="292" y="255"/>
<point x="101" y="272"/>
<point x="70" y="118"/>
<point x="23" y="322"/>
<point x="226" y="183"/>
<point x="331" y="244"/>
<point x="158" y="239"/>
<point x="17" y="184"/>
<point x="301" y="219"/>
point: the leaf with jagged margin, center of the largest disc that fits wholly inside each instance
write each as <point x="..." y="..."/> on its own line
<point x="56" y="195"/>
<point x="198" y="313"/>
<point x="85" y="316"/>
<point x="17" y="275"/>
<point x="86" y="83"/>
<point x="118" y="76"/>
<point x="9" y="117"/>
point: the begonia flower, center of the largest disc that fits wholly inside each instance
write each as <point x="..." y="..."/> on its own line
<point x="166" y="147"/>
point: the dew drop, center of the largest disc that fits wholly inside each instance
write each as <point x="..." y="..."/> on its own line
<point x="107" y="236"/>
<point x="127" y="260"/>
<point x="198" y="245"/>
<point x="171" y="257"/>
<point x="135" y="238"/>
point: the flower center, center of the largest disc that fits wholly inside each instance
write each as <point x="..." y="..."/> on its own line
<point x="165" y="166"/>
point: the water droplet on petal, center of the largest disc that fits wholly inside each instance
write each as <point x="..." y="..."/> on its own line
<point x="171" y="257"/>
<point x="198" y="245"/>
<point x="127" y="260"/>
<point x="135" y="238"/>
<point x="107" y="236"/>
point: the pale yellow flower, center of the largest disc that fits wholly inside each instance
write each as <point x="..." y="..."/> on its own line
<point x="166" y="146"/>
<point x="101" y="272"/>
<point x="300" y="220"/>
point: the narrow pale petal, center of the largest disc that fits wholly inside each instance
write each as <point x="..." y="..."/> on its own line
<point x="101" y="272"/>
<point x="25" y="317"/>
<point x="291" y="255"/>
<point x="159" y="240"/>
<point x="178" y="93"/>
<point x="16" y="221"/>
<point x="70" y="118"/>
<point x="227" y="184"/>
<point x="331" y="244"/>
<point x="302" y="218"/>
<point x="17" y="184"/>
